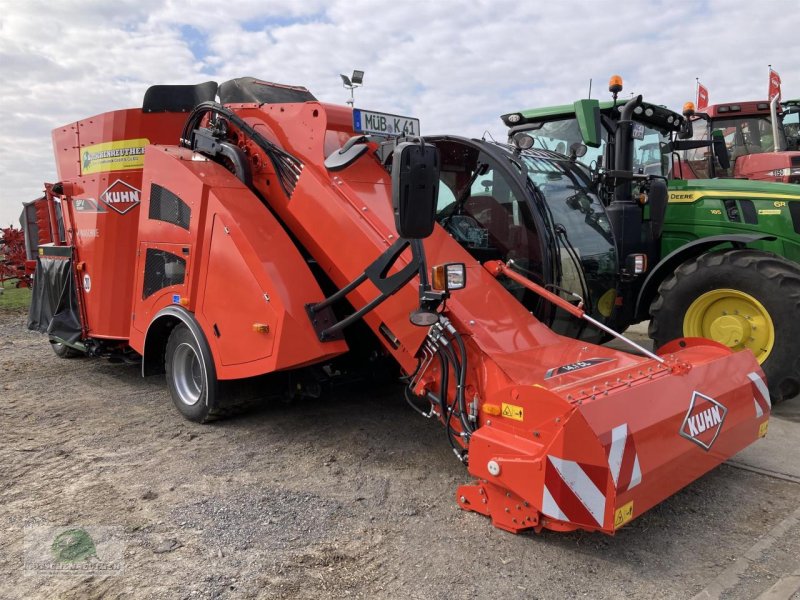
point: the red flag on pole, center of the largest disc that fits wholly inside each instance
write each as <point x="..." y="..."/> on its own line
<point x="774" y="85"/>
<point x="702" y="96"/>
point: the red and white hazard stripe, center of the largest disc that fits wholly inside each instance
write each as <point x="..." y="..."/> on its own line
<point x="573" y="492"/>
<point x="623" y="460"/>
<point x="761" y="398"/>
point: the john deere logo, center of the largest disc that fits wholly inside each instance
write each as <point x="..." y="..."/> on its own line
<point x="73" y="546"/>
<point x="703" y="420"/>
<point x="120" y="196"/>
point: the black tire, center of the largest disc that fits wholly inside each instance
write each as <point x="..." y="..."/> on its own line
<point x="64" y="351"/>
<point x="191" y="376"/>
<point x="766" y="277"/>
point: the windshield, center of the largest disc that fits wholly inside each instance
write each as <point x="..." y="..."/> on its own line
<point x="558" y="136"/>
<point x="651" y="156"/>
<point x="747" y="135"/>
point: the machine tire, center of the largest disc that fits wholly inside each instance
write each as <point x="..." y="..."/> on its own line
<point x="765" y="277"/>
<point x="191" y="376"/>
<point x="64" y="351"/>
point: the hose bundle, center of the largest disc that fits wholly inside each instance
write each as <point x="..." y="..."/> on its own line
<point x="287" y="167"/>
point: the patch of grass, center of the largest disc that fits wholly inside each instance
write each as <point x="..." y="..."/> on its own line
<point x="14" y="299"/>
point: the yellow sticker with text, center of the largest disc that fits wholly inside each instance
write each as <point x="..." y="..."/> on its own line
<point x="623" y="514"/>
<point x="512" y="411"/>
<point x="762" y="429"/>
<point x="113" y="156"/>
<point x="769" y="211"/>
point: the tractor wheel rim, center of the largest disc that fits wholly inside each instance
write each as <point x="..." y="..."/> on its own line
<point x="187" y="375"/>
<point x="733" y="318"/>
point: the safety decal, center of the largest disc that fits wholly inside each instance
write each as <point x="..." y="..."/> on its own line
<point x="120" y="155"/>
<point x="573" y="491"/>
<point x="512" y="411"/>
<point x="576" y="366"/>
<point x="703" y="420"/>
<point x="120" y="196"/>
<point x="623" y="459"/>
<point x="761" y="398"/>
<point x="623" y="514"/>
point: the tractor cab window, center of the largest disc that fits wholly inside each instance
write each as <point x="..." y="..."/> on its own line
<point x="650" y="151"/>
<point x="697" y="159"/>
<point x="480" y="208"/>
<point x="486" y="210"/>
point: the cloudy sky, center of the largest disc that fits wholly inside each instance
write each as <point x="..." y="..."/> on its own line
<point x="456" y="65"/>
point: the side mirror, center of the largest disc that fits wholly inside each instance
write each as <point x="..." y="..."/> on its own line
<point x="720" y="149"/>
<point x="686" y="131"/>
<point x="657" y="200"/>
<point x="587" y="112"/>
<point x="415" y="189"/>
<point x="577" y="150"/>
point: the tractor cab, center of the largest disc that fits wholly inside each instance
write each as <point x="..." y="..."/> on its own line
<point x="538" y="209"/>
<point x="762" y="141"/>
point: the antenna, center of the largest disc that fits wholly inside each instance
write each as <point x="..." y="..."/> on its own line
<point x="590" y="88"/>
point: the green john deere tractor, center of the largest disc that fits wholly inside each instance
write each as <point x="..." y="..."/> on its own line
<point x="727" y="268"/>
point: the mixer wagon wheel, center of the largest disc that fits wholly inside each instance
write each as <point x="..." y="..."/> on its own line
<point x="191" y="376"/>
<point x="744" y="299"/>
<point x="64" y="351"/>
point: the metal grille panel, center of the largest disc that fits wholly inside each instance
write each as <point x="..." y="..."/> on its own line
<point x="166" y="206"/>
<point x="162" y="269"/>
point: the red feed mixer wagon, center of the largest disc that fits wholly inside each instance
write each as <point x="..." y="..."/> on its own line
<point x="265" y="232"/>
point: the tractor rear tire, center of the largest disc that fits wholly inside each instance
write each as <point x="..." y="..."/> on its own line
<point x="191" y="376"/>
<point x="64" y="351"/>
<point x="706" y="285"/>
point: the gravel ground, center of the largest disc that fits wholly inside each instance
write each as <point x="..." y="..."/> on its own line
<point x="345" y="496"/>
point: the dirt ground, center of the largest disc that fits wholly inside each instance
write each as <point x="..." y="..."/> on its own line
<point x="348" y="496"/>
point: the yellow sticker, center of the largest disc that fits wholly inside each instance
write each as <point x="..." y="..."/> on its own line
<point x="623" y="514"/>
<point x="769" y="211"/>
<point x="512" y="411"/>
<point x="41" y="251"/>
<point x="762" y="429"/>
<point x="113" y="156"/>
<point x="681" y="197"/>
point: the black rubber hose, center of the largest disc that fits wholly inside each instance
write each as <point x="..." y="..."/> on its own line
<point x="462" y="380"/>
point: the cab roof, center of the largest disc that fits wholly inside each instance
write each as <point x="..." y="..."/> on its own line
<point x="661" y="118"/>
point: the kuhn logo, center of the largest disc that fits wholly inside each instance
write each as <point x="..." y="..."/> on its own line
<point x="120" y="196"/>
<point x="703" y="420"/>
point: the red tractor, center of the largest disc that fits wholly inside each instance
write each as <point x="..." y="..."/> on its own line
<point x="757" y="142"/>
<point x="247" y="232"/>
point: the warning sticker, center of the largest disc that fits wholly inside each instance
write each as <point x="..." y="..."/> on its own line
<point x="623" y="514"/>
<point x="762" y="429"/>
<point x="512" y="411"/>
<point x="113" y="156"/>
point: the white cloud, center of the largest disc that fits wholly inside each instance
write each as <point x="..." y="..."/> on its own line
<point x="455" y="65"/>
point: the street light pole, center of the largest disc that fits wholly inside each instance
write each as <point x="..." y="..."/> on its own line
<point x="351" y="83"/>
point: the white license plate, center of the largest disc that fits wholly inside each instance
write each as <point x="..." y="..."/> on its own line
<point x="366" y="121"/>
